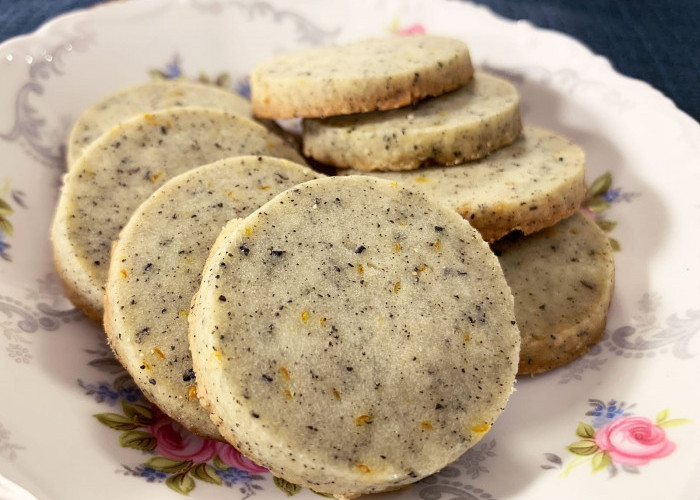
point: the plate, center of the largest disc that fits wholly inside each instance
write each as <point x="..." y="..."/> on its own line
<point x="622" y="420"/>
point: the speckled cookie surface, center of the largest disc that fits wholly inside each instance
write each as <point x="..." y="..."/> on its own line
<point x="529" y="185"/>
<point x="562" y="280"/>
<point x="378" y="73"/>
<point x="353" y="336"/>
<point x="146" y="98"/>
<point x="156" y="266"/>
<point x="122" y="168"/>
<point x="463" y="125"/>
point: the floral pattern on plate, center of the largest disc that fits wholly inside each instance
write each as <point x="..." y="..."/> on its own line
<point x="6" y="211"/>
<point x="178" y="457"/>
<point x="616" y="439"/>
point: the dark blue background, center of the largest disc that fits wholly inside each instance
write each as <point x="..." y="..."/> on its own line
<point x="654" y="40"/>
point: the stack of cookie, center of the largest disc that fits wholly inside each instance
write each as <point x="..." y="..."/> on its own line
<point x="412" y="110"/>
<point x="352" y="333"/>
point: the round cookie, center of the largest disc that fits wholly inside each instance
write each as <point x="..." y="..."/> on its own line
<point x="122" y="168"/>
<point x="562" y="280"/>
<point x="466" y="124"/>
<point x="353" y="336"/>
<point x="378" y="73"/>
<point x="156" y="266"/>
<point x="531" y="184"/>
<point x="146" y="98"/>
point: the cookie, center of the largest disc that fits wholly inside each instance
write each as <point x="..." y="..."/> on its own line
<point x="562" y="280"/>
<point x="529" y="185"/>
<point x="378" y="73"/>
<point x="122" y="168"/>
<point x="146" y="98"/>
<point x="466" y="124"/>
<point x="155" y="268"/>
<point x="353" y="336"/>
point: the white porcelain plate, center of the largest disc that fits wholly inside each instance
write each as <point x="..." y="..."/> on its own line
<point x="623" y="421"/>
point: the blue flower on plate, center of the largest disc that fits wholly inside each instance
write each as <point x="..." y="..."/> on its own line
<point x="604" y="413"/>
<point x="151" y="475"/>
<point x="612" y="195"/>
<point x="131" y="393"/>
<point x="242" y="87"/>
<point x="173" y="69"/>
<point x="103" y="393"/>
<point x="233" y="475"/>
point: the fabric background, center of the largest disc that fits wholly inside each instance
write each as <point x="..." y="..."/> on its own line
<point x="657" y="41"/>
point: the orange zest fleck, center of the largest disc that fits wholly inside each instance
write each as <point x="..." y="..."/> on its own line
<point x="264" y="188"/>
<point x="285" y="373"/>
<point x="422" y="179"/>
<point x="192" y="392"/>
<point x="287" y="394"/>
<point x="397" y="247"/>
<point x="336" y="394"/>
<point x="397" y="287"/>
<point x="155" y="177"/>
<point x="158" y="353"/>
<point x="360" y="269"/>
<point x="363" y="468"/>
<point x="322" y="321"/>
<point x="363" y="420"/>
<point x="481" y="428"/>
<point x="123" y="273"/>
<point x="248" y="231"/>
<point x="425" y="425"/>
<point x="304" y="317"/>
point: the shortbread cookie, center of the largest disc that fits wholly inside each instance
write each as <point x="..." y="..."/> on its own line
<point x="353" y="336"/>
<point x="155" y="269"/>
<point x="562" y="280"/>
<point x="528" y="185"/>
<point x="122" y="168"/>
<point x="379" y="73"/>
<point x="146" y="98"/>
<point x="463" y="125"/>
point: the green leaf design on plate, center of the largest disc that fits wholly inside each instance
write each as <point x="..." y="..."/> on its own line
<point x="181" y="483"/>
<point x="157" y="74"/>
<point x="206" y="473"/>
<point x="107" y="365"/>
<point x="662" y="415"/>
<point x="5" y="208"/>
<point x="600" y="186"/>
<point x="139" y="414"/>
<point x="218" y="463"/>
<point x="674" y="422"/>
<point x="115" y="421"/>
<point x="6" y="226"/>
<point x="598" y="205"/>
<point x="583" y="447"/>
<point x="139" y="440"/>
<point x="606" y="225"/>
<point x="289" y="488"/>
<point x="600" y="461"/>
<point x="614" y="244"/>
<point x="168" y="465"/>
<point x="585" y="431"/>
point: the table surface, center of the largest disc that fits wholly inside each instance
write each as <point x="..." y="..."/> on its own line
<point x="657" y="41"/>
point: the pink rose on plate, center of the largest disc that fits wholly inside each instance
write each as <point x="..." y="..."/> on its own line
<point x="177" y="443"/>
<point x="414" y="29"/>
<point x="233" y="458"/>
<point x="633" y="441"/>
